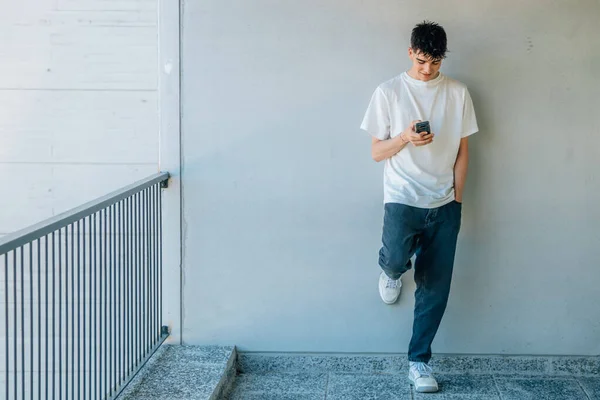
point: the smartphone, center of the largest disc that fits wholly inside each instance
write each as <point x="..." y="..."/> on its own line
<point x="422" y="126"/>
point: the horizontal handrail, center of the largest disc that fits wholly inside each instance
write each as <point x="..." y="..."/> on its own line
<point x="24" y="236"/>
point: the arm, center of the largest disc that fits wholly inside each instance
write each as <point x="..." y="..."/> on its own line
<point x="384" y="149"/>
<point x="460" y="169"/>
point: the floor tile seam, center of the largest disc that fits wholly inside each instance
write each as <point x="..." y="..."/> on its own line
<point x="284" y="373"/>
<point x="497" y="387"/>
<point x="583" y="389"/>
<point x="278" y="392"/>
<point x="507" y="375"/>
<point x="211" y="364"/>
<point x="397" y="371"/>
<point x="541" y="377"/>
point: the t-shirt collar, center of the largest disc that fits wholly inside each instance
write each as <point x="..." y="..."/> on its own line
<point x="417" y="82"/>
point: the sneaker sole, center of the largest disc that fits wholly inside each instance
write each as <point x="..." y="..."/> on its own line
<point x="389" y="302"/>
<point x="424" y="389"/>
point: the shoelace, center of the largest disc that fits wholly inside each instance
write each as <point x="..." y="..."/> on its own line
<point x="423" y="369"/>
<point x="391" y="284"/>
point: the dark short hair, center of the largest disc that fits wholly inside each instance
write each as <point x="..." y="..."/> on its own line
<point x="429" y="38"/>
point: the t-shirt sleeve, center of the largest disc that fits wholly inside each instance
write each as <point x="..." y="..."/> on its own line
<point x="377" y="117"/>
<point x="469" y="121"/>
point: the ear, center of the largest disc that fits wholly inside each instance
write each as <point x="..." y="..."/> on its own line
<point x="410" y="53"/>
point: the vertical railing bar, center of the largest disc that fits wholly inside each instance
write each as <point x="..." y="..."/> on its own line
<point x="152" y="275"/>
<point x="114" y="301"/>
<point x="147" y="272"/>
<point x="124" y="290"/>
<point x="138" y="276"/>
<point x="66" y="314"/>
<point x="92" y="259"/>
<point x="22" y="324"/>
<point x="134" y="297"/>
<point x="150" y="264"/>
<point x="53" y="316"/>
<point x="154" y="260"/>
<point x="89" y="307"/>
<point x="46" y="319"/>
<point x="39" y="265"/>
<point x="94" y="344"/>
<point x="73" y="310"/>
<point x="119" y="297"/>
<point x="144" y="272"/>
<point x="130" y="292"/>
<point x="16" y="261"/>
<point x="102" y="298"/>
<point x="141" y="280"/>
<point x="160" y="259"/>
<point x="31" y="338"/>
<point x="148" y="326"/>
<point x="129" y="281"/>
<point x="157" y="276"/>
<point x="123" y="352"/>
<point x="106" y="302"/>
<point x="141" y="277"/>
<point x="151" y="269"/>
<point x="81" y="297"/>
<point x="106" y="299"/>
<point x="125" y="309"/>
<point x="151" y="272"/>
<point x="121" y="289"/>
<point x="115" y="296"/>
<point x="134" y="294"/>
<point x="14" y="253"/>
<point x="59" y="313"/>
<point x="60" y="261"/>
<point x="109" y="267"/>
<point x="6" y="325"/>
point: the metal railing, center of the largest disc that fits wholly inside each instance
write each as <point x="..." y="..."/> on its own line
<point x="82" y="296"/>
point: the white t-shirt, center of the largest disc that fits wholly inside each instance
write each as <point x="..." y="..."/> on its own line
<point x="421" y="176"/>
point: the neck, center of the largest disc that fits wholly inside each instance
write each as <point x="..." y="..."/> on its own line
<point x="415" y="75"/>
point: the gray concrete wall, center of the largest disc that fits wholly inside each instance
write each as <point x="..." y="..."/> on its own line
<point x="282" y="203"/>
<point x="78" y="103"/>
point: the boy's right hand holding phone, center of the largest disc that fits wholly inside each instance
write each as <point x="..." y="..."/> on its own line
<point x="417" y="139"/>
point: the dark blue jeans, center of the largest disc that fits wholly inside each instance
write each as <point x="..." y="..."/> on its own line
<point x="431" y="234"/>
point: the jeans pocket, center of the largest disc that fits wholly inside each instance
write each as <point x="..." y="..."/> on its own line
<point x="458" y="208"/>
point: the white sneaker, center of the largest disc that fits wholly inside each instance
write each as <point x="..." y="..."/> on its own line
<point x="421" y="376"/>
<point x="389" y="289"/>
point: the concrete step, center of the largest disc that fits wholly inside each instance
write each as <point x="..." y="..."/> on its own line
<point x="184" y="372"/>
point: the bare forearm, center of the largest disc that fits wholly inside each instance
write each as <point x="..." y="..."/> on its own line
<point x="384" y="149"/>
<point x="460" y="172"/>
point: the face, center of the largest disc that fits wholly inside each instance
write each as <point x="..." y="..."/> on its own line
<point x="423" y="68"/>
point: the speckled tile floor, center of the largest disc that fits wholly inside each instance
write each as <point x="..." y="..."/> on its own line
<point x="346" y="386"/>
<point x="202" y="373"/>
<point x="363" y="377"/>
